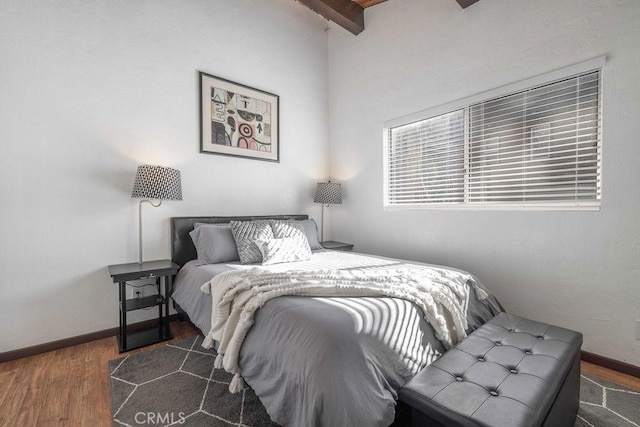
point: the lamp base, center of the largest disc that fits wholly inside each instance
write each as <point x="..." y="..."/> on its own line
<point x="140" y="224"/>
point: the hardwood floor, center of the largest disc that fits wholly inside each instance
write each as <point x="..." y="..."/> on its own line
<point x="614" y="376"/>
<point x="66" y="387"/>
<point x="71" y="386"/>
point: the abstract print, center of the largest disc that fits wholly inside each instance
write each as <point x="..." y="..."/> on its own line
<point x="240" y="121"/>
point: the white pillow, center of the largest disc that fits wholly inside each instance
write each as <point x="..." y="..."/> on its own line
<point x="306" y="230"/>
<point x="286" y="249"/>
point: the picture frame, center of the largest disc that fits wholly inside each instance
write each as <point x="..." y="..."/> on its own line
<point x="238" y="120"/>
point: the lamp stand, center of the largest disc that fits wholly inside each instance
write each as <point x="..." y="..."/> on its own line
<point x="322" y="224"/>
<point x="140" y="222"/>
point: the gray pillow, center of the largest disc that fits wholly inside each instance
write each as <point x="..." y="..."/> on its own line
<point x="214" y="243"/>
<point x="285" y="249"/>
<point x="245" y="234"/>
<point x="310" y="229"/>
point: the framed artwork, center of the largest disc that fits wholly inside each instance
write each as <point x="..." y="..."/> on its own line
<point x="238" y="120"/>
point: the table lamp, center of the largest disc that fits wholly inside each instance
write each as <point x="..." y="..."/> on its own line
<point x="327" y="193"/>
<point x="155" y="183"/>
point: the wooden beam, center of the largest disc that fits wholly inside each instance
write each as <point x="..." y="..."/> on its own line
<point x="466" y="3"/>
<point x="346" y="13"/>
<point x="369" y="3"/>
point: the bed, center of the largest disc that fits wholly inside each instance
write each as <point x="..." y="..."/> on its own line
<point x="322" y="360"/>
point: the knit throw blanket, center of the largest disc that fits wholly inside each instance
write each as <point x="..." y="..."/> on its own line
<point x="441" y="295"/>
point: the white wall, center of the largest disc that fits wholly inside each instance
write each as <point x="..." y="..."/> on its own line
<point x="574" y="269"/>
<point x="91" y="89"/>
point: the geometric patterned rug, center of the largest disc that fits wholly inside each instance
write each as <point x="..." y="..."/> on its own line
<point x="177" y="385"/>
<point x="603" y="403"/>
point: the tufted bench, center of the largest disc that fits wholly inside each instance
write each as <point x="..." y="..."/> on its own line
<point x="509" y="372"/>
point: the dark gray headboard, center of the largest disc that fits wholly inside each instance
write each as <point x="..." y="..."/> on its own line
<point x="182" y="248"/>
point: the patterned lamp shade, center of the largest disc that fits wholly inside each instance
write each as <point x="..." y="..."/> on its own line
<point x="329" y="193"/>
<point x="157" y="182"/>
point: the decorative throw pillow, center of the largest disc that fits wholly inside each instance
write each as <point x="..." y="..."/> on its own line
<point x="214" y="243"/>
<point x="245" y="234"/>
<point x="306" y="230"/>
<point x="285" y="249"/>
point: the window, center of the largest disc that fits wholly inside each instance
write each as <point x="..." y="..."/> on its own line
<point x="532" y="145"/>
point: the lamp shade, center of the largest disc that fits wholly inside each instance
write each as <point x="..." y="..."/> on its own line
<point x="329" y="193"/>
<point x="157" y="182"/>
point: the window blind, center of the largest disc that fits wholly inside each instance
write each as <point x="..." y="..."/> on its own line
<point x="535" y="147"/>
<point x="426" y="161"/>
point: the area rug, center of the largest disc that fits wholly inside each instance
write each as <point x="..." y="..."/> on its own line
<point x="178" y="385"/>
<point x="603" y="403"/>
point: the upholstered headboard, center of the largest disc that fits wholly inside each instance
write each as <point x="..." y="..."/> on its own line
<point x="182" y="248"/>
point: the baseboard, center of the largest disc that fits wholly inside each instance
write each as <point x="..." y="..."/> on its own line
<point x="613" y="364"/>
<point x="80" y="339"/>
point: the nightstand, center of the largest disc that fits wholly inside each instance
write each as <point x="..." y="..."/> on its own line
<point x="337" y="246"/>
<point x="162" y="271"/>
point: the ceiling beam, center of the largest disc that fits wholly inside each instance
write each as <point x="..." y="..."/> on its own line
<point x="346" y="13"/>
<point x="466" y="3"/>
<point x="369" y="3"/>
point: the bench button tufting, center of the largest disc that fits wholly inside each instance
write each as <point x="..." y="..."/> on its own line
<point x="487" y="381"/>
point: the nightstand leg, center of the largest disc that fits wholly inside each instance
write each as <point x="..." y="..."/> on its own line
<point x="168" y="280"/>
<point x="123" y="316"/>
<point x="160" y="319"/>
